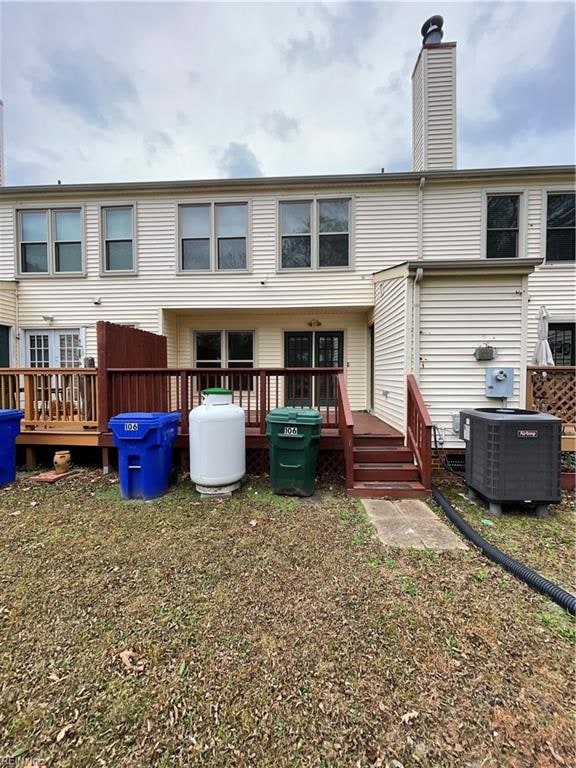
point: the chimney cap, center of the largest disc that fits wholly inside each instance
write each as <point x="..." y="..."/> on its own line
<point x="432" y="30"/>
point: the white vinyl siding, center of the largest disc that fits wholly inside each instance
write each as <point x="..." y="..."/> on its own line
<point x="458" y="314"/>
<point x="434" y="108"/>
<point x="391" y="322"/>
<point x="417" y="119"/>
<point x="553" y="286"/>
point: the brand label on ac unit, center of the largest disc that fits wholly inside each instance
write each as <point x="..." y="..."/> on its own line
<point x="527" y="433"/>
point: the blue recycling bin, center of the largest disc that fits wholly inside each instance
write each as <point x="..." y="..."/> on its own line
<point x="9" y="429"/>
<point x="144" y="442"/>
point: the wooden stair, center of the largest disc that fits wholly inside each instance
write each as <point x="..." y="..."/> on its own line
<point x="385" y="468"/>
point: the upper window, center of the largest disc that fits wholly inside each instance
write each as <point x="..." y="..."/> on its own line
<point x="561" y="337"/>
<point x="560" y="227"/>
<point x="213" y="236"/>
<point x="315" y="234"/>
<point x="118" y="239"/>
<point x="502" y="226"/>
<point x="50" y="241"/>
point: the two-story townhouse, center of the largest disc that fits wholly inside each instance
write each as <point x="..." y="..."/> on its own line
<point x="381" y="275"/>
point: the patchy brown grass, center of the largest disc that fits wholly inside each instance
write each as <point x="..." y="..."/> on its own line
<point x="263" y="631"/>
<point x="544" y="544"/>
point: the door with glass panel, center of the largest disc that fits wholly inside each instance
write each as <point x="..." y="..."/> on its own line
<point x="329" y="353"/>
<point x="308" y="349"/>
<point x="53" y="349"/>
<point x="298" y="353"/>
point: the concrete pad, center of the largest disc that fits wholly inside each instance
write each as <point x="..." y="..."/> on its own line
<point x="410" y="524"/>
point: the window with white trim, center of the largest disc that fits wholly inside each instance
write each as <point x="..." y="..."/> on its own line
<point x="562" y="340"/>
<point x="213" y="237"/>
<point x="50" y="241"/>
<point x="561" y="226"/>
<point x="118" y="225"/>
<point x="502" y="226"/>
<point x="224" y="349"/>
<point x="314" y="234"/>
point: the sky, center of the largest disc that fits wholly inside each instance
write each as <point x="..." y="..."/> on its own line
<point x="133" y="91"/>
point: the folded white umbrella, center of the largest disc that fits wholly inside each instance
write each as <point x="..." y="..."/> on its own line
<point x="543" y="353"/>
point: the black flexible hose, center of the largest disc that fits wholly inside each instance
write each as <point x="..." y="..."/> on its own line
<point x="527" y="575"/>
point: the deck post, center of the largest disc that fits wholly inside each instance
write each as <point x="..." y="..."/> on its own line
<point x="263" y="404"/>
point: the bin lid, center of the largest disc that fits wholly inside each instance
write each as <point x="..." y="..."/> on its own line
<point x="10" y="414"/>
<point x="291" y="415"/>
<point x="149" y="419"/>
<point x="217" y="391"/>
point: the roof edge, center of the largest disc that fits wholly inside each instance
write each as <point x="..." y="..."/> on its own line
<point x="521" y="266"/>
<point x="369" y="179"/>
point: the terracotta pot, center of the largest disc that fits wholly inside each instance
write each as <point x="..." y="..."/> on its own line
<point x="568" y="480"/>
<point x="62" y="462"/>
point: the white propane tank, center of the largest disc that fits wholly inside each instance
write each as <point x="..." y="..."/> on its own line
<point x="217" y="443"/>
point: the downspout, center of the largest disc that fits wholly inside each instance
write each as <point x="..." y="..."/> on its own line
<point x="416" y="284"/>
<point x="416" y="324"/>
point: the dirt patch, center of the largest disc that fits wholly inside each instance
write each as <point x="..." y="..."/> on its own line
<point x="263" y="631"/>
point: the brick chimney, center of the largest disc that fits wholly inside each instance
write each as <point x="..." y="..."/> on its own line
<point x="434" y="101"/>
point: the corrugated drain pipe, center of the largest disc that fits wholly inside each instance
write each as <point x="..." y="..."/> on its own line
<point x="527" y="575"/>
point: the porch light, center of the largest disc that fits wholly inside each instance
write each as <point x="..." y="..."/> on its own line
<point x="48" y="318"/>
<point x="314" y="323"/>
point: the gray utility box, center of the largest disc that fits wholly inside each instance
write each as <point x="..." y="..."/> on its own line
<point x="512" y="455"/>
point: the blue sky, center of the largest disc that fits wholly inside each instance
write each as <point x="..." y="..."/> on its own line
<point x="146" y="91"/>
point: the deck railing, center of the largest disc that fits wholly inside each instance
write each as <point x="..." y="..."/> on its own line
<point x="552" y="389"/>
<point x="51" y="397"/>
<point x="346" y="429"/>
<point x="419" y="430"/>
<point x="256" y="390"/>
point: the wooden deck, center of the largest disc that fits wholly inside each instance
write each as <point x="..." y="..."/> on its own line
<point x="367" y="424"/>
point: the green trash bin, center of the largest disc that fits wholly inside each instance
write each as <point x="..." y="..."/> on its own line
<point x="293" y="436"/>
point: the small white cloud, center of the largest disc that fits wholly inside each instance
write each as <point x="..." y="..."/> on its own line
<point x="279" y="125"/>
<point x="238" y="161"/>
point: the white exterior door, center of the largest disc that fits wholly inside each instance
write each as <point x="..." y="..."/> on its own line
<point x="53" y="348"/>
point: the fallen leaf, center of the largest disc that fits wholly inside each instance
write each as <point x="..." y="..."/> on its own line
<point x="128" y="657"/>
<point x="408" y="716"/>
<point x="63" y="731"/>
<point x="555" y="754"/>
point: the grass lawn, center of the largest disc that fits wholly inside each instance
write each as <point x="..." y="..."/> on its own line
<point x="265" y="631"/>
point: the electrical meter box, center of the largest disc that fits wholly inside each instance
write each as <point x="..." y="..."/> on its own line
<point x="499" y="382"/>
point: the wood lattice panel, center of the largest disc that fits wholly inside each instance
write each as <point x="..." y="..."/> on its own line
<point x="553" y="390"/>
<point x="330" y="463"/>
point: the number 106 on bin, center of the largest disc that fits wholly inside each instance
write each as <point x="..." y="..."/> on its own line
<point x="130" y="426"/>
<point x="291" y="431"/>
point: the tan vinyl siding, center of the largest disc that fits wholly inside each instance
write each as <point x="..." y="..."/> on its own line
<point x="7" y="243"/>
<point x="391" y="313"/>
<point x="269" y="339"/>
<point x="170" y="330"/>
<point x="7" y="303"/>
<point x="458" y="314"/>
